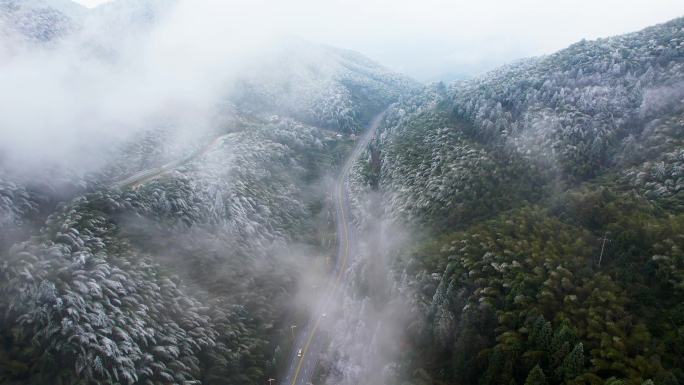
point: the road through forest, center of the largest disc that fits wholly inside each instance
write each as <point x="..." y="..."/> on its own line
<point x="309" y="341"/>
<point x="141" y="177"/>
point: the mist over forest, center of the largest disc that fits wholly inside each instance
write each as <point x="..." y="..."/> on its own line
<point x="209" y="192"/>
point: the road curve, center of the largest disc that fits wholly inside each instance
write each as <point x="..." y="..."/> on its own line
<point x="309" y="342"/>
<point x="141" y="177"/>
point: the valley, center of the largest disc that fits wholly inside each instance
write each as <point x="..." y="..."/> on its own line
<point x="293" y="213"/>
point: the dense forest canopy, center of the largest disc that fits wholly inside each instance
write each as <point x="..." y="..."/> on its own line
<point x="550" y="195"/>
<point x="541" y="211"/>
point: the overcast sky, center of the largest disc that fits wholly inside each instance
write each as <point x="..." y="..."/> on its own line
<point x="430" y="39"/>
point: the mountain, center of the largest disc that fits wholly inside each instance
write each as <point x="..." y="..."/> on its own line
<point x="39" y="20"/>
<point x="186" y="272"/>
<point x="321" y="85"/>
<point x="173" y="253"/>
<point x="524" y="226"/>
<point x="183" y="278"/>
<point x="547" y="197"/>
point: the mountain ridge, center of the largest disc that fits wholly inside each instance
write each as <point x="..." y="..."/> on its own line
<point x="533" y="222"/>
<point x="535" y="192"/>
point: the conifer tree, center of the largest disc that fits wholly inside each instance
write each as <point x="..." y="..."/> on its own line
<point x="536" y="377"/>
<point x="542" y="334"/>
<point x="573" y="363"/>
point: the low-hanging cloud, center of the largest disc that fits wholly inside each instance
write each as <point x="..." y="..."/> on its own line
<point x="116" y="75"/>
<point x="437" y="39"/>
<point x="66" y="102"/>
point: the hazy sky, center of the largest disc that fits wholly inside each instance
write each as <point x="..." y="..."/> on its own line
<point x="435" y="38"/>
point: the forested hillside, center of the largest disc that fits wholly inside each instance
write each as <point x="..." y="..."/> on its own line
<point x="172" y="254"/>
<point x="171" y="220"/>
<point x="320" y="85"/>
<point x="547" y="203"/>
<point x="183" y="278"/>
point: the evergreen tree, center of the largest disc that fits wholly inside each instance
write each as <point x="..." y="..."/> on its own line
<point x="573" y="363"/>
<point x="536" y="377"/>
<point x="497" y="369"/>
<point x="541" y="335"/>
<point x="563" y="339"/>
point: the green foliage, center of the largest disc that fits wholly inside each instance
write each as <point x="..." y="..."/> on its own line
<point x="174" y="281"/>
<point x="536" y="377"/>
<point x="552" y="195"/>
<point x="541" y="334"/>
<point x="527" y="266"/>
<point x="439" y="176"/>
<point x="573" y="363"/>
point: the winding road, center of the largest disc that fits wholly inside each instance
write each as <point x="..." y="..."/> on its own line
<point x="141" y="177"/>
<point x="309" y="343"/>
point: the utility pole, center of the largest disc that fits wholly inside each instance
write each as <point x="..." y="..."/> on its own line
<point x="603" y="246"/>
<point x="292" y="328"/>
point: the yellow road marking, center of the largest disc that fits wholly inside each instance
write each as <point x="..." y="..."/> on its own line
<point x="343" y="219"/>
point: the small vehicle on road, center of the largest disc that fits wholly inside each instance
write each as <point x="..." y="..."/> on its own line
<point x="299" y="353"/>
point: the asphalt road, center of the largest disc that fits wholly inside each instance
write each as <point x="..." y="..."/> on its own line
<point x="141" y="177"/>
<point x="308" y="341"/>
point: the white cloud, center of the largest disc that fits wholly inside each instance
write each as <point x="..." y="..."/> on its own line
<point x="91" y="3"/>
<point x="60" y="97"/>
<point x="429" y="37"/>
<point x="424" y="38"/>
